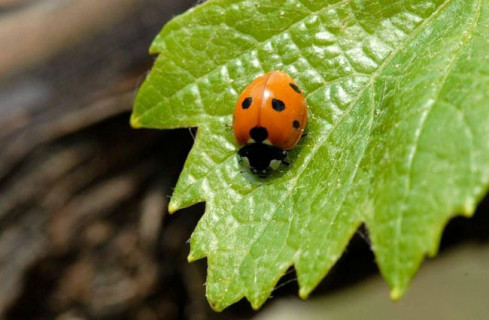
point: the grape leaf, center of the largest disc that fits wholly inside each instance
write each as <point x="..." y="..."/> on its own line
<point x="398" y="95"/>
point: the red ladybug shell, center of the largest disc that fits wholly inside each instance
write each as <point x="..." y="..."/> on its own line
<point x="272" y="101"/>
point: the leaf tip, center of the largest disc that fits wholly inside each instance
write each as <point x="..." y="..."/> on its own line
<point x="173" y="207"/>
<point x="191" y="258"/>
<point x="304" y="293"/>
<point x="153" y="50"/>
<point x="397" y="293"/>
<point x="257" y="301"/>
<point x="256" y="304"/>
<point x="468" y="209"/>
<point x="135" y="123"/>
<point x="217" y="308"/>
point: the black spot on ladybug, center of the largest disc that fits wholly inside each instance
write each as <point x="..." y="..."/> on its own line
<point x="296" y="88"/>
<point x="247" y="102"/>
<point x="278" y="105"/>
<point x="259" y="134"/>
<point x="296" y="124"/>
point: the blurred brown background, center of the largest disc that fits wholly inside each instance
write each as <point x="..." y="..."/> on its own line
<point x="84" y="232"/>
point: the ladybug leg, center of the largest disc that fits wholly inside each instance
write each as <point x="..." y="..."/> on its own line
<point x="285" y="163"/>
<point x="305" y="134"/>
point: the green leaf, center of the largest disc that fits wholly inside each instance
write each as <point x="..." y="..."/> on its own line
<point x="398" y="95"/>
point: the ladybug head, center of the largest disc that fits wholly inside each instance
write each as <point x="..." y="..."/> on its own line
<point x="262" y="158"/>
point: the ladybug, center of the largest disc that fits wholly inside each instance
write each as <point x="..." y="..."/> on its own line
<point x="269" y="119"/>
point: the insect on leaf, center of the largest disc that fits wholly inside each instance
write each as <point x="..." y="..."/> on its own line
<point x="398" y="96"/>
